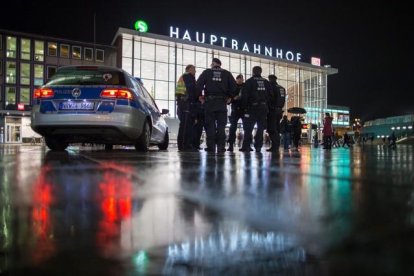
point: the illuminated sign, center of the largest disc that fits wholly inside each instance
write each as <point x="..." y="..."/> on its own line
<point x="233" y="44"/>
<point x="20" y="106"/>
<point x="316" y="61"/>
<point x="141" y="26"/>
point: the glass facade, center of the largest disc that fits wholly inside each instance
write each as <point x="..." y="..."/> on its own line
<point x="25" y="49"/>
<point x="159" y="63"/>
<point x="11" y="47"/>
<point x="24" y="96"/>
<point x="10" y="95"/>
<point x="10" y="72"/>
<point x="25" y="73"/>
<point x="38" y="75"/>
<point x="76" y="52"/>
<point x="52" y="49"/>
<point x="64" y="51"/>
<point x="39" y="51"/>
<point x="340" y="115"/>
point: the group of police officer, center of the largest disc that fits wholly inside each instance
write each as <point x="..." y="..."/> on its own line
<point x="257" y="101"/>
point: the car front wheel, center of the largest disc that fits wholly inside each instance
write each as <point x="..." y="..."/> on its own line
<point x="144" y="140"/>
<point x="164" y="144"/>
<point x="56" y="143"/>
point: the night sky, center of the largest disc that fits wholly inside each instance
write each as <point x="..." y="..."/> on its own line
<point x="366" y="42"/>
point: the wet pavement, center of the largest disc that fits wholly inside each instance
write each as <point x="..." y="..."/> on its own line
<point x="87" y="211"/>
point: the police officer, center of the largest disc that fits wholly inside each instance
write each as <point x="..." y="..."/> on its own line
<point x="236" y="112"/>
<point x="198" y="124"/>
<point x="218" y="85"/>
<point x="277" y="100"/>
<point x="186" y="96"/>
<point x="255" y="93"/>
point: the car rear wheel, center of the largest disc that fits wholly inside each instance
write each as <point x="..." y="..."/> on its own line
<point x="164" y="144"/>
<point x="144" y="140"/>
<point x="56" y="144"/>
<point x="109" y="147"/>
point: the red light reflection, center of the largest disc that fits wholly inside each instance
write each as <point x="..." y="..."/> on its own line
<point x="41" y="220"/>
<point x="115" y="203"/>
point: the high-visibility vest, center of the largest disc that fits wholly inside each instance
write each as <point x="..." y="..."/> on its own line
<point x="180" y="89"/>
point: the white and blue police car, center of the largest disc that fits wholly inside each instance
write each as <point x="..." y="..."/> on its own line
<point x="97" y="104"/>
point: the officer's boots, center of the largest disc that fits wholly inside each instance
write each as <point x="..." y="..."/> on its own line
<point x="231" y="148"/>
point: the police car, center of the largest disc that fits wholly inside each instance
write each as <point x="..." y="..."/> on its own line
<point x="97" y="104"/>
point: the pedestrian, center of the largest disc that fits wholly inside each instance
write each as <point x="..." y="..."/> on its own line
<point x="285" y="129"/>
<point x="198" y="124"/>
<point x="219" y="85"/>
<point x="327" y="131"/>
<point x="236" y="112"/>
<point x="315" y="139"/>
<point x="296" y="130"/>
<point x="393" y="141"/>
<point x="347" y="140"/>
<point x="335" y="140"/>
<point x="240" y="138"/>
<point x="255" y="94"/>
<point x="277" y="100"/>
<point x="186" y="96"/>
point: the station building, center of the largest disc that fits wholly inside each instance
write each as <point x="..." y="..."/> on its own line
<point x="159" y="60"/>
<point x="402" y="126"/>
<point x="27" y="61"/>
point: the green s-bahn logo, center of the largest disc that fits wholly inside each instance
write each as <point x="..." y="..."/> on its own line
<point x="141" y="26"/>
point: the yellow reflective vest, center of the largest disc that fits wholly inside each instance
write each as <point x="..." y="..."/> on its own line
<point x="180" y="89"/>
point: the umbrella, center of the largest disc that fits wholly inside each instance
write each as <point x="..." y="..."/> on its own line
<point x="297" y="110"/>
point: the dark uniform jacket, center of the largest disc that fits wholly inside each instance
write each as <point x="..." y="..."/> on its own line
<point x="255" y="92"/>
<point x="277" y="97"/>
<point x="236" y="103"/>
<point x="217" y="82"/>
<point x="191" y="87"/>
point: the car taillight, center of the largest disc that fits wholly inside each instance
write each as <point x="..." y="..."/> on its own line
<point x="43" y="93"/>
<point x="117" y="93"/>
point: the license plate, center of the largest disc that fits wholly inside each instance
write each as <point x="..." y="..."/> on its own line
<point x="76" y="106"/>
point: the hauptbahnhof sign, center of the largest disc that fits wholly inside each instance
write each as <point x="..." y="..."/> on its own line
<point x="234" y="44"/>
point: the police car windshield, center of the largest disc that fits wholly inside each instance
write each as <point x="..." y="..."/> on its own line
<point x="87" y="76"/>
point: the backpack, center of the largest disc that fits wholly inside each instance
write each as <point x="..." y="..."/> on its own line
<point x="281" y="95"/>
<point x="277" y="96"/>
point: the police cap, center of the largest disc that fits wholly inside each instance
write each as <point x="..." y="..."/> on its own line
<point x="216" y="60"/>
<point x="272" y="77"/>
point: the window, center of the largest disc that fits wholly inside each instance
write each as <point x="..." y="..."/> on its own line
<point x="52" y="49"/>
<point x="162" y="53"/>
<point x="149" y="50"/>
<point x="99" y="55"/>
<point x="26" y="49"/>
<point x="11" y="47"/>
<point x="51" y="70"/>
<point x="64" y="50"/>
<point x="127" y="48"/>
<point x="25" y="73"/>
<point x="10" y="72"/>
<point x="76" y="52"/>
<point x="39" y="51"/>
<point x="24" y="95"/>
<point x="10" y="95"/>
<point x="38" y="75"/>
<point x="90" y="76"/>
<point x="88" y="52"/>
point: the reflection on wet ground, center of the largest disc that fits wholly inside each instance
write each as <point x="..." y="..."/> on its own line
<point x="314" y="212"/>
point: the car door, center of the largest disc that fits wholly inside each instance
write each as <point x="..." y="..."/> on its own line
<point x="158" y="128"/>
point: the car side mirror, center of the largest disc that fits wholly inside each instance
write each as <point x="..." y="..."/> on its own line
<point x="165" y="111"/>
